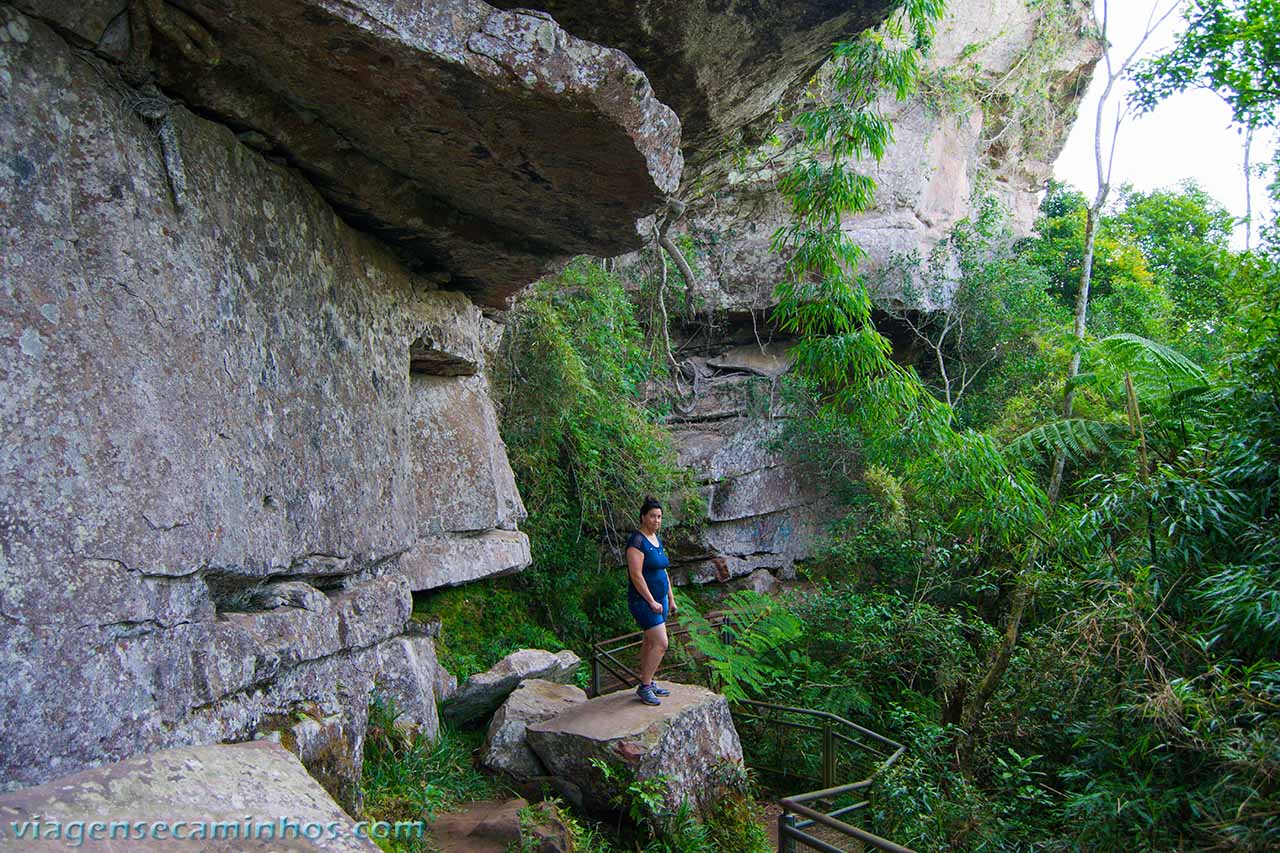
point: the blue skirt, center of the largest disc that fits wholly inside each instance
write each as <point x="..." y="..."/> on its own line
<point x="645" y="617"/>
<point x="658" y="584"/>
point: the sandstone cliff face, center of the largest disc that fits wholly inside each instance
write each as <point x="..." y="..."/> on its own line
<point x="996" y="102"/>
<point x="237" y="432"/>
<point x="762" y="512"/>
<point x="482" y="145"/>
<point x="235" y="437"/>
<point x="722" y="65"/>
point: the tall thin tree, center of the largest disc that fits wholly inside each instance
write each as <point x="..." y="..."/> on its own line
<point x="1103" y="164"/>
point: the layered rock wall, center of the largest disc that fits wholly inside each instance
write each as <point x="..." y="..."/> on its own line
<point x="762" y="511"/>
<point x="236" y="435"/>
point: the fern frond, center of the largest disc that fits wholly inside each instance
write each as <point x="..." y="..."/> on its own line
<point x="1153" y="365"/>
<point x="1076" y="438"/>
<point x="1199" y="396"/>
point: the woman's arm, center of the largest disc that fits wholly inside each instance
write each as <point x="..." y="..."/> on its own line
<point x="671" y="600"/>
<point x="635" y="569"/>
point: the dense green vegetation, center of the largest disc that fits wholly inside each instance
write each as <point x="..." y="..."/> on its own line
<point x="407" y="777"/>
<point x="1138" y="703"/>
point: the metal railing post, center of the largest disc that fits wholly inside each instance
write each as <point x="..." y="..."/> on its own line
<point x="595" y="673"/>
<point x="828" y="754"/>
<point x="786" y="842"/>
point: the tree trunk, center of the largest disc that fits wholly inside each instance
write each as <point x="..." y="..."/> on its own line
<point x="674" y="251"/>
<point x="1248" y="189"/>
<point x="971" y="716"/>
<point x="1082" y="310"/>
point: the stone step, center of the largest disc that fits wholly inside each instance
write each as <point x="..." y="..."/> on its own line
<point x="484" y="826"/>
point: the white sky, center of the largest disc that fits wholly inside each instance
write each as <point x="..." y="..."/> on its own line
<point x="1187" y="136"/>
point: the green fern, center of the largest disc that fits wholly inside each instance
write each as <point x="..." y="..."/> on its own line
<point x="1076" y="438"/>
<point x="739" y="653"/>
<point x="1199" y="397"/>
<point x="1157" y="369"/>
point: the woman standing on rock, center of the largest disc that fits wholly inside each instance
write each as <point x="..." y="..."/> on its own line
<point x="649" y="596"/>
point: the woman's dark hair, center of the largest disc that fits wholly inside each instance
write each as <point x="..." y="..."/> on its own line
<point x="650" y="502"/>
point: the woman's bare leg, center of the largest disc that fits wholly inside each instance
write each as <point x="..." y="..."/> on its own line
<point x="652" y="649"/>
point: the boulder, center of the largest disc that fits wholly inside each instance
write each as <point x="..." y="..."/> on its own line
<point x="686" y="739"/>
<point x="535" y="700"/>
<point x="229" y="797"/>
<point x="547" y="830"/>
<point x="407" y="670"/>
<point x="761" y="582"/>
<point x="482" y="693"/>
<point x="446" y="683"/>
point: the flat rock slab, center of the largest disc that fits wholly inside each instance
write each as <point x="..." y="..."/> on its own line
<point x="482" y="693"/>
<point x="535" y="700"/>
<point x="234" y="795"/>
<point x="686" y="739"/>
<point x="484" y="826"/>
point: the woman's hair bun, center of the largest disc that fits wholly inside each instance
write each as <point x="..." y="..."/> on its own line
<point x="650" y="502"/>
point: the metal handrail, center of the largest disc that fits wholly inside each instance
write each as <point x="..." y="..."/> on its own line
<point x="796" y="815"/>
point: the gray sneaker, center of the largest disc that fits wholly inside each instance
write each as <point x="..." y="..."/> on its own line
<point x="645" y="692"/>
<point x="659" y="691"/>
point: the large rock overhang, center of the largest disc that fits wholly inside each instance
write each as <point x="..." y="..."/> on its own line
<point x="485" y="145"/>
<point x="488" y="144"/>
<point x="722" y="65"/>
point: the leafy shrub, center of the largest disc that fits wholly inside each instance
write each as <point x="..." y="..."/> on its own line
<point x="585" y="450"/>
<point x="726" y="822"/>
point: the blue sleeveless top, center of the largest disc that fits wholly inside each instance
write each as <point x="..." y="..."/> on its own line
<point x="655" y="572"/>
